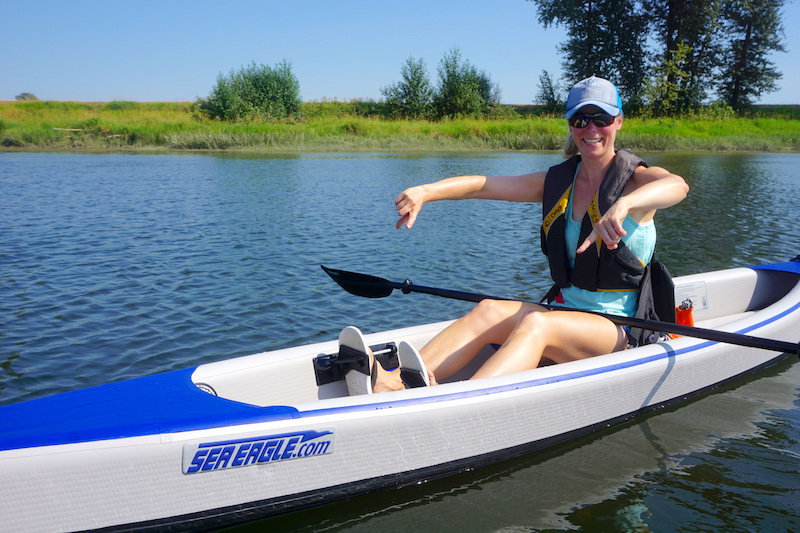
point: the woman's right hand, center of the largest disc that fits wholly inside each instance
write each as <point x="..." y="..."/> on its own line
<point x="408" y="205"/>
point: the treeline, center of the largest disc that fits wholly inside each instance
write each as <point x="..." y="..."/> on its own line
<point x="669" y="56"/>
<point x="260" y="91"/>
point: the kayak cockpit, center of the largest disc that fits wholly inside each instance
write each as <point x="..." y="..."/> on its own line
<point x="307" y="374"/>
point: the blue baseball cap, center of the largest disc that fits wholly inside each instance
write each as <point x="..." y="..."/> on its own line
<point x="594" y="91"/>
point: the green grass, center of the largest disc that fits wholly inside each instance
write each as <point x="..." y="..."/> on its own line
<point x="736" y="134"/>
<point x="360" y="126"/>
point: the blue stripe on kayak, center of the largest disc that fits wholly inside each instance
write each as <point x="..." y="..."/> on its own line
<point x="171" y="403"/>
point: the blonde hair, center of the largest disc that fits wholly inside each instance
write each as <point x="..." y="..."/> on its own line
<point x="570" y="148"/>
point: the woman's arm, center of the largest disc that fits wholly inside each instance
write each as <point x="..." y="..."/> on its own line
<point x="650" y="189"/>
<point x="524" y="188"/>
<point x="653" y="188"/>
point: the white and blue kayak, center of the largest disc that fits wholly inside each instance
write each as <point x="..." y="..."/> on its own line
<point x="252" y="437"/>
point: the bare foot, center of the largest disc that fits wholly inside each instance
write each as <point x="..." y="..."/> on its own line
<point x="387" y="381"/>
<point x="432" y="378"/>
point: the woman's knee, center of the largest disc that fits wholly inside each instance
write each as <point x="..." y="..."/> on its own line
<point x="494" y="311"/>
<point x="533" y="320"/>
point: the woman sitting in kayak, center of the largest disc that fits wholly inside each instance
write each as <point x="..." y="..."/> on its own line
<point x="597" y="233"/>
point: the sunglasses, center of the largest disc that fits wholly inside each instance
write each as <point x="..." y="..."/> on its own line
<point x="601" y="120"/>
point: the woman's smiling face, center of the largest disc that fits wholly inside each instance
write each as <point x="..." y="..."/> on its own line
<point x="593" y="140"/>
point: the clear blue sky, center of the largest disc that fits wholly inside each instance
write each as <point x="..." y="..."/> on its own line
<point x="173" y="50"/>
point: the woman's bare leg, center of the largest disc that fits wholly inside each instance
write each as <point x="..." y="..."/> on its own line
<point x="491" y="321"/>
<point x="560" y="336"/>
<point x="527" y="332"/>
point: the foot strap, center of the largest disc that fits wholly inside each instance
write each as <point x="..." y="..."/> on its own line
<point x="412" y="378"/>
<point x="412" y="367"/>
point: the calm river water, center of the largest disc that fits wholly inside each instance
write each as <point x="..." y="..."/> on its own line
<point x="114" y="266"/>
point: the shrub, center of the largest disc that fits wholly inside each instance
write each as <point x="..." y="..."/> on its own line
<point x="412" y="97"/>
<point x="256" y="91"/>
<point x="718" y="110"/>
<point x="121" y="105"/>
<point x="463" y="90"/>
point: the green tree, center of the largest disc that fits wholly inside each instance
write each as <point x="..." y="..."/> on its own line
<point x="754" y="31"/>
<point x="255" y="91"/>
<point x="692" y="29"/>
<point x="25" y="96"/>
<point x="605" y="38"/>
<point x="671" y="55"/>
<point x="462" y="89"/>
<point x="412" y="97"/>
<point x="662" y="91"/>
<point x="549" y="95"/>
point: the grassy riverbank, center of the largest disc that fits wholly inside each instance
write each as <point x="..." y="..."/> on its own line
<point x="337" y="126"/>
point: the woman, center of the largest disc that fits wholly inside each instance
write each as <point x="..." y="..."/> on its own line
<point x="587" y="222"/>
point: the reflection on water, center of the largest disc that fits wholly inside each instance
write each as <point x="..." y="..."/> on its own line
<point x="117" y="265"/>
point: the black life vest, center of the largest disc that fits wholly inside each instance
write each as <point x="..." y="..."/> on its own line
<point x="598" y="268"/>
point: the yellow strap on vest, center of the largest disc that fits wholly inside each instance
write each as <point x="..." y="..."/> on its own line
<point x="594" y="216"/>
<point x="558" y="210"/>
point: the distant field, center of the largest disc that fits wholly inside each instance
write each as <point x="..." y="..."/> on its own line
<point x="358" y="126"/>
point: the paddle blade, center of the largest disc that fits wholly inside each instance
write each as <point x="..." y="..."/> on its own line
<point x="361" y="284"/>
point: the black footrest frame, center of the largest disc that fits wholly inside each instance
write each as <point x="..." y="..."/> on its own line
<point x="333" y="367"/>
